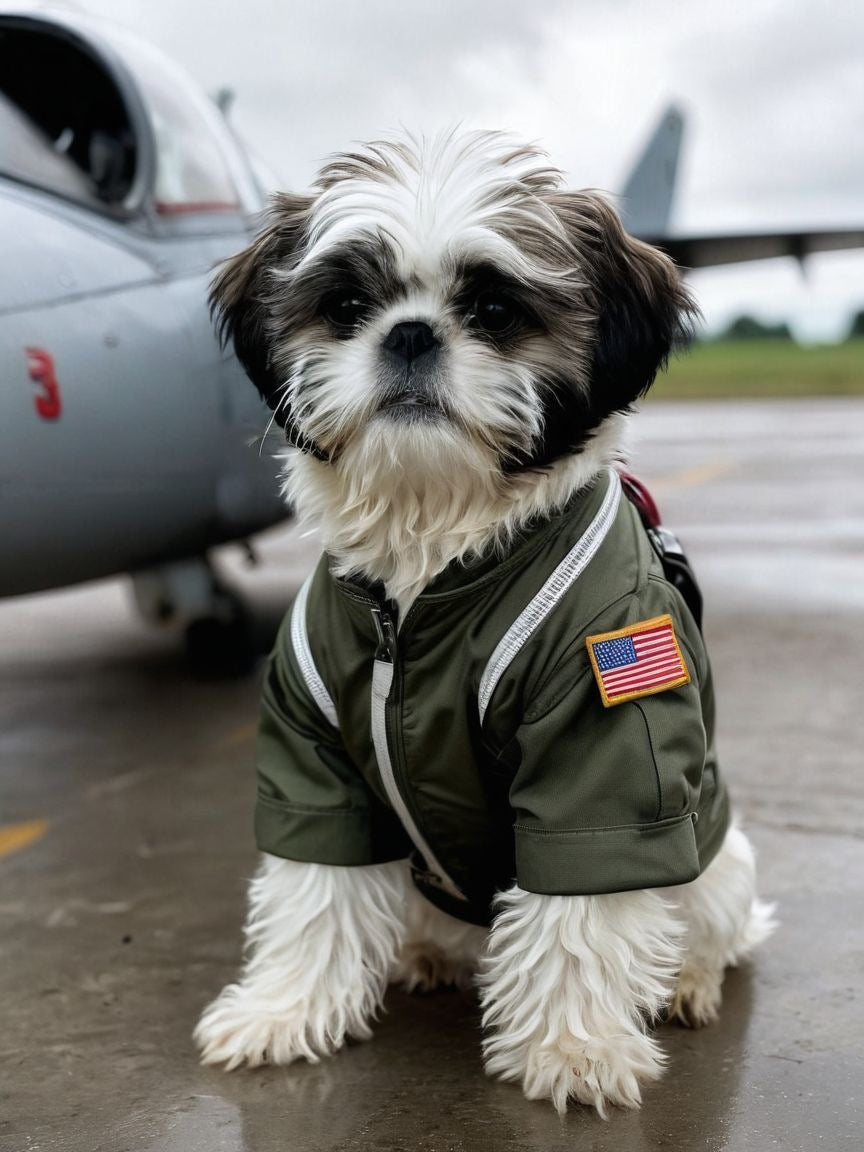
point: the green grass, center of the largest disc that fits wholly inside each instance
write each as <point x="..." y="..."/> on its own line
<point x="764" y="368"/>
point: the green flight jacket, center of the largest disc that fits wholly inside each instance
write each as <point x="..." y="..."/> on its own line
<point x="476" y="739"/>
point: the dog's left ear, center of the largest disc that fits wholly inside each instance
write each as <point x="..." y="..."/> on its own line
<point x="240" y="292"/>
<point x="643" y="309"/>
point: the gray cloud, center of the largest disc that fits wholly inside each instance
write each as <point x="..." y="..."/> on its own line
<point x="774" y="89"/>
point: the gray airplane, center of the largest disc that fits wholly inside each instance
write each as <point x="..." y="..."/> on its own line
<point x="125" y="433"/>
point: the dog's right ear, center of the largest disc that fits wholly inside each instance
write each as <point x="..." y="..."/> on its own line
<point x="240" y="291"/>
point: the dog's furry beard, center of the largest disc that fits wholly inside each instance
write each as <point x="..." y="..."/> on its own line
<point x="400" y="511"/>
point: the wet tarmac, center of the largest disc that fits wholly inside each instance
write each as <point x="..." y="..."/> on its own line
<point x="126" y="793"/>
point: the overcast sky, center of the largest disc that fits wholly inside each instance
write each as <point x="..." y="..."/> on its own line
<point x="773" y="91"/>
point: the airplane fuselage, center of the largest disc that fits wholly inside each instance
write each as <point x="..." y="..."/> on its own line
<point x="125" y="432"/>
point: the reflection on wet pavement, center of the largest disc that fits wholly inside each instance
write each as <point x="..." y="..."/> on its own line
<point x="121" y="901"/>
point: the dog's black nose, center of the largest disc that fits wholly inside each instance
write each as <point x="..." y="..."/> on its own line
<point x="410" y="340"/>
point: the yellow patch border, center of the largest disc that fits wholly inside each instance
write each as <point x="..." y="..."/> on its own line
<point x="633" y="630"/>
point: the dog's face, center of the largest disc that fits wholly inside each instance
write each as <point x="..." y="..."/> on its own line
<point x="445" y="299"/>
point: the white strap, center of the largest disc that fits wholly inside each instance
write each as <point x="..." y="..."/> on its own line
<point x="558" y="584"/>
<point x="382" y="682"/>
<point x="303" y="655"/>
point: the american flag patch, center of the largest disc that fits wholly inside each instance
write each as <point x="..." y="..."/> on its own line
<point x="637" y="661"/>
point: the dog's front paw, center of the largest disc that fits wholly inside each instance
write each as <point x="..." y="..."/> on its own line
<point x="697" y="996"/>
<point x="238" y="1028"/>
<point x="423" y="967"/>
<point x="594" y="1072"/>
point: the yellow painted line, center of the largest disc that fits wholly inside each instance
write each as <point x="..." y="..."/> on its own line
<point x="241" y="735"/>
<point x="14" y="837"/>
<point x="693" y="477"/>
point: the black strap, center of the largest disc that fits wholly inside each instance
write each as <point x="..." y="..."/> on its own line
<point x="676" y="567"/>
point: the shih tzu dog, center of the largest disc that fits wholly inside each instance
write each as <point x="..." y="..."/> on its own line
<point x="486" y="748"/>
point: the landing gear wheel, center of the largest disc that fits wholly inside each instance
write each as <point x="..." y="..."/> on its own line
<point x="222" y="637"/>
<point x="222" y="645"/>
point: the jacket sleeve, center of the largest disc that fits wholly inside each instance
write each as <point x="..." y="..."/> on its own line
<point x="606" y="798"/>
<point x="313" y="804"/>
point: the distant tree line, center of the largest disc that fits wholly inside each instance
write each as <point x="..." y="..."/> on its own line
<point x="749" y="328"/>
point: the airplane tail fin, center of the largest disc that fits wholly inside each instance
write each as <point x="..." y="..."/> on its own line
<point x="645" y="202"/>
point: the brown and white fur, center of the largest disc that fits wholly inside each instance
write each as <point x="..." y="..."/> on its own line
<point x="452" y="342"/>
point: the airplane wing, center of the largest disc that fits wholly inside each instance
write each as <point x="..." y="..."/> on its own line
<point x="646" y="201"/>
<point x="733" y="248"/>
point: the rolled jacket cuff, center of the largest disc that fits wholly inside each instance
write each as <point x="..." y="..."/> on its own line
<point x="314" y="835"/>
<point x="595" y="861"/>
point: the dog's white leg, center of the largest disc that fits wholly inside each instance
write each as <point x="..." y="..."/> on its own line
<point x="725" y="922"/>
<point x="437" y="950"/>
<point x="321" y="941"/>
<point x="567" y="985"/>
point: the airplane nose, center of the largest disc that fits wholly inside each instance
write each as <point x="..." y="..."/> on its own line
<point x="410" y="339"/>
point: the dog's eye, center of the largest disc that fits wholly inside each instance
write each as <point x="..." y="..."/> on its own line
<point x="345" y="310"/>
<point x="496" y="313"/>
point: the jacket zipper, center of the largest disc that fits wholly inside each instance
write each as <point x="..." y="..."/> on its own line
<point x="383" y="672"/>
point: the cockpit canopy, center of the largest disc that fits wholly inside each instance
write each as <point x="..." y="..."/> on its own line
<point x="112" y="124"/>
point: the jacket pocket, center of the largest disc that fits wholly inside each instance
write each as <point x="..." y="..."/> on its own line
<point x="676" y="733"/>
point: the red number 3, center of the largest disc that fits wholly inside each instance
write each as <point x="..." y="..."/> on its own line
<point x="40" y="365"/>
